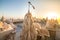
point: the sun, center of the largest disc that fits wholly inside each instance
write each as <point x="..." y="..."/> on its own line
<point x="51" y="15"/>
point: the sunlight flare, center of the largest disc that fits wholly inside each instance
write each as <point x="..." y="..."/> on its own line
<point x="52" y="15"/>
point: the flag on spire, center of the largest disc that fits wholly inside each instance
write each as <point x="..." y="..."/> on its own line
<point x="31" y="5"/>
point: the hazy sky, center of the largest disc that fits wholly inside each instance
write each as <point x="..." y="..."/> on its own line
<point x="18" y="8"/>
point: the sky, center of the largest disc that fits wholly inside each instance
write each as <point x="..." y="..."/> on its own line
<point x="18" y="8"/>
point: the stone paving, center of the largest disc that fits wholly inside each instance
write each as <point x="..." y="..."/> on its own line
<point x="17" y="36"/>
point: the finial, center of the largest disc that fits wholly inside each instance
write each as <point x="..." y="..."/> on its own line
<point x="29" y="3"/>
